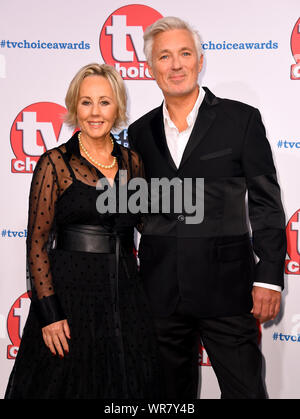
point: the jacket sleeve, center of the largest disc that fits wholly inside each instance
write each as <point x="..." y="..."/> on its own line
<point x="266" y="212"/>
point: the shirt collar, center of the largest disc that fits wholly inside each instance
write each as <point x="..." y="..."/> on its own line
<point x="191" y="118"/>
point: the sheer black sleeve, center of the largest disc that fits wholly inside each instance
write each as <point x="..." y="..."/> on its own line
<point x="44" y="193"/>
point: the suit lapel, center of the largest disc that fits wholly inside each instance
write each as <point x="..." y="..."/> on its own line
<point x="158" y="134"/>
<point x="204" y="121"/>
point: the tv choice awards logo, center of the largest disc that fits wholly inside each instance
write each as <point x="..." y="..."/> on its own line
<point x="121" y="40"/>
<point x="16" y="320"/>
<point x="295" y="47"/>
<point x="292" y="264"/>
<point x="37" y="128"/>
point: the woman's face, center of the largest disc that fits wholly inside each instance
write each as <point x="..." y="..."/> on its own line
<point x="97" y="108"/>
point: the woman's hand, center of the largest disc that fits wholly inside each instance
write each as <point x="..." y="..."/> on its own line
<point x="55" y="337"/>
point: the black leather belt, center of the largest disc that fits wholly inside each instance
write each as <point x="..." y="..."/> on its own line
<point x="96" y="239"/>
<point x="93" y="239"/>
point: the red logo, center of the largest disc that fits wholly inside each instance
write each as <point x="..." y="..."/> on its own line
<point x="295" y="46"/>
<point x="203" y="357"/>
<point x="15" y="323"/>
<point x="121" y="40"/>
<point x="292" y="265"/>
<point x="37" y="128"/>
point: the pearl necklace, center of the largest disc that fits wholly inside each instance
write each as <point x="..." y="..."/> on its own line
<point x="104" y="166"/>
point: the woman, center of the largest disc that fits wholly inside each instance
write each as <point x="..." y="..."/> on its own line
<point x="88" y="333"/>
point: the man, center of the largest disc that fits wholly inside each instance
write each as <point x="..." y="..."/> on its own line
<point x="201" y="279"/>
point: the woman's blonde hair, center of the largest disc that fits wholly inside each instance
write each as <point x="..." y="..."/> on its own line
<point x="116" y="82"/>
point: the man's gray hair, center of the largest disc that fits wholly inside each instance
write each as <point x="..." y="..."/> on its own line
<point x="167" y="24"/>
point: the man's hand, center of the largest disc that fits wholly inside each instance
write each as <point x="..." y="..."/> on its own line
<point x="266" y="303"/>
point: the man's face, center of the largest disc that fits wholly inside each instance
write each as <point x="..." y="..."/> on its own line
<point x="175" y="65"/>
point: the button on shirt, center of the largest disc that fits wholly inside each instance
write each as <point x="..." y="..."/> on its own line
<point x="177" y="142"/>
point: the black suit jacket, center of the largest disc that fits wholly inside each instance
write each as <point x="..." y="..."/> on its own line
<point x="210" y="266"/>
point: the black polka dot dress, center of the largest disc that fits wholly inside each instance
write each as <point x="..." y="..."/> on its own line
<point x="112" y="350"/>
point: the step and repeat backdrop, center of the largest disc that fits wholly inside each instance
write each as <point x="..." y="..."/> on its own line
<point x="252" y="54"/>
